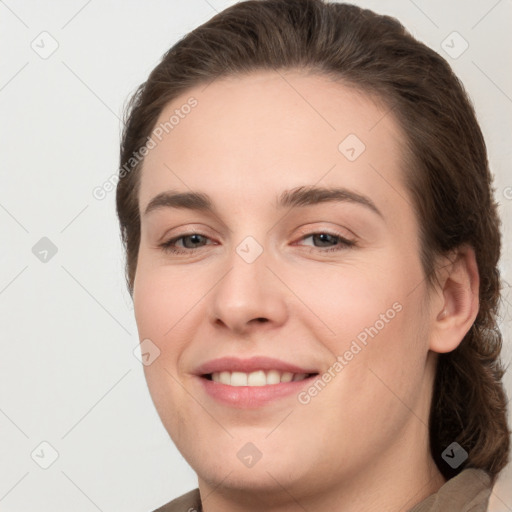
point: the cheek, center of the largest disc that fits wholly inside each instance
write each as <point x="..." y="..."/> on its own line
<point x="372" y="316"/>
<point x="162" y="298"/>
<point x="349" y="299"/>
<point x="161" y="304"/>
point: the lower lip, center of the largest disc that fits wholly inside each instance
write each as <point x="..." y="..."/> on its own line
<point x="252" y="397"/>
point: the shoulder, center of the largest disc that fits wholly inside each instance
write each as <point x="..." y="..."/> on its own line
<point x="188" y="502"/>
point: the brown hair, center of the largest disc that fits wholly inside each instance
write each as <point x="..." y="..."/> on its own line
<point x="450" y="186"/>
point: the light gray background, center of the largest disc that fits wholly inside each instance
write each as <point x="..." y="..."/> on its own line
<point x="68" y="373"/>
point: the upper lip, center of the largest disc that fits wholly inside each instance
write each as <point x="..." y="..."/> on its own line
<point x="235" y="364"/>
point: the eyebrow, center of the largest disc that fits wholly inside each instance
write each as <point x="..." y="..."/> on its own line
<point x="294" y="198"/>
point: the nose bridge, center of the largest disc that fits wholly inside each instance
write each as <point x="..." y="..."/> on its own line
<point x="249" y="290"/>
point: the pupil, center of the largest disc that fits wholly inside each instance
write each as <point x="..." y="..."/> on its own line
<point x="194" y="238"/>
<point x="323" y="237"/>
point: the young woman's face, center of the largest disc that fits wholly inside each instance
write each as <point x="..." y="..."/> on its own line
<point x="325" y="283"/>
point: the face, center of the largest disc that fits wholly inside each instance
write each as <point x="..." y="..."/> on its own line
<point x="267" y="281"/>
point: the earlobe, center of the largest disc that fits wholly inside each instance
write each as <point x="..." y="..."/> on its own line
<point x="460" y="301"/>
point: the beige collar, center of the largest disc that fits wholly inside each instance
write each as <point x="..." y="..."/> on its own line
<point x="469" y="491"/>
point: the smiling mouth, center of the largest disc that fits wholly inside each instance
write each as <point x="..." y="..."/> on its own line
<point x="257" y="378"/>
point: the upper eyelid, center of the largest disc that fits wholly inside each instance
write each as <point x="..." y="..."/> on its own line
<point x="334" y="231"/>
<point x="304" y="231"/>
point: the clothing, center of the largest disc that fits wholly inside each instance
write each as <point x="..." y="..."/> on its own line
<point x="469" y="491"/>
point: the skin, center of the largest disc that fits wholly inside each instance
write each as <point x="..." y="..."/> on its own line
<point x="361" y="444"/>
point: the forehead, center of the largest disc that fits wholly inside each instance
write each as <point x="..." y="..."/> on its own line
<point x="269" y="131"/>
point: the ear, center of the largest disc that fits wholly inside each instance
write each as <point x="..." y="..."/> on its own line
<point x="455" y="309"/>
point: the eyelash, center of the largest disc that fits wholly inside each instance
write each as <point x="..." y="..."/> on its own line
<point x="169" y="247"/>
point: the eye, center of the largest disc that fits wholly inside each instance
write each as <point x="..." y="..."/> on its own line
<point x="325" y="237"/>
<point x="192" y="242"/>
<point x="193" y="238"/>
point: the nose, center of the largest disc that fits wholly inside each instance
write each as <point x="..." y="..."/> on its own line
<point x="248" y="294"/>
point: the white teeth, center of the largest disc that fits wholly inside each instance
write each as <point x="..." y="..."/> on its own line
<point x="239" y="379"/>
<point x="257" y="378"/>
<point x="273" y="377"/>
<point x="286" y="377"/>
